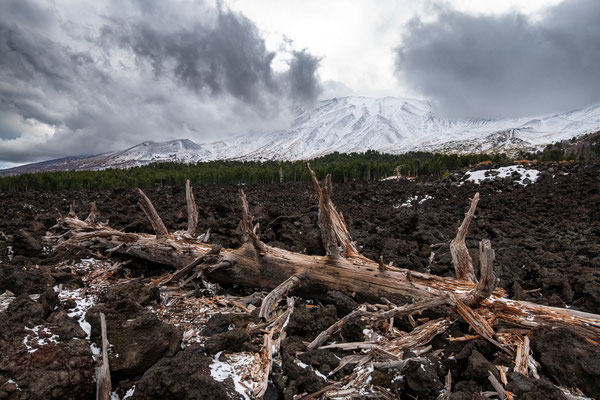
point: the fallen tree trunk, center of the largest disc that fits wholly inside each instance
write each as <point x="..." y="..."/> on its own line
<point x="259" y="266"/>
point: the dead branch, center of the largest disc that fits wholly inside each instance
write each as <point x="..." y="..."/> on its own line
<point x="249" y="231"/>
<point x="479" y="324"/>
<point x="93" y="215"/>
<point x="192" y="210"/>
<point x="463" y="263"/>
<point x="328" y="235"/>
<point x="103" y="384"/>
<point x="273" y="298"/>
<point x="157" y="224"/>
<point x="331" y="222"/>
<point x="487" y="278"/>
<point x="497" y="386"/>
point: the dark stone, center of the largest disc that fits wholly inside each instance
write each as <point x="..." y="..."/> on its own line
<point x="138" y="338"/>
<point x="231" y="340"/>
<point x="182" y="377"/>
<point x="568" y="358"/>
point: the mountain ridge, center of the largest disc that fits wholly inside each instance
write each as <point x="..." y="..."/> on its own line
<point x="351" y="124"/>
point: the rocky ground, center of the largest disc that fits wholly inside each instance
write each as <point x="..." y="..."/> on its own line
<point x="198" y="343"/>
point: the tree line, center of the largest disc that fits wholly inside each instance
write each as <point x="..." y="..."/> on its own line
<point x="367" y="166"/>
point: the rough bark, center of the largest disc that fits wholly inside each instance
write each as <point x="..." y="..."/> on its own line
<point x="263" y="267"/>
<point x="463" y="263"/>
<point x="157" y="224"/>
<point x="103" y="383"/>
<point x="192" y="210"/>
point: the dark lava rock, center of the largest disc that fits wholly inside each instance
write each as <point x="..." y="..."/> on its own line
<point x="568" y="358"/>
<point x="309" y="322"/>
<point x="222" y="322"/>
<point x="26" y="245"/>
<point x="323" y="361"/>
<point x="422" y="379"/>
<point x="532" y="389"/>
<point x="37" y="360"/>
<point x="184" y="376"/>
<point x="137" y="290"/>
<point x="25" y="311"/>
<point x="479" y="367"/>
<point x="343" y="304"/>
<point x="24" y="281"/>
<point x="138" y="338"/>
<point x="467" y="390"/>
<point x="231" y="340"/>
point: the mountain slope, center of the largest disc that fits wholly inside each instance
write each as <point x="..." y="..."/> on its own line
<point x="352" y="124"/>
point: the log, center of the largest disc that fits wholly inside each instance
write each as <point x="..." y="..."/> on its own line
<point x="157" y="224"/>
<point x="192" y="210"/>
<point x="463" y="263"/>
<point x="103" y="383"/>
<point x="259" y="266"/>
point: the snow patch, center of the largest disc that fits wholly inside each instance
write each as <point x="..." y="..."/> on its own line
<point x="233" y="368"/>
<point x="527" y="176"/>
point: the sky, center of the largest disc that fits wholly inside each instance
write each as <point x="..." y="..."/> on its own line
<point x="93" y="76"/>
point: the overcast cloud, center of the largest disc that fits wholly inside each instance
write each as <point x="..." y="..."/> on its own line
<point x="92" y="76"/>
<point x="88" y="80"/>
<point x="505" y="65"/>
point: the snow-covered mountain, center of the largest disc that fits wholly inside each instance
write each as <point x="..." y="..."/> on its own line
<point x="353" y="124"/>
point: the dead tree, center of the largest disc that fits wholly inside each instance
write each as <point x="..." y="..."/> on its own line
<point x="260" y="266"/>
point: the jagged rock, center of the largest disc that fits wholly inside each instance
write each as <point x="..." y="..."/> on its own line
<point x="138" y="338"/>
<point x="184" y="376"/>
<point x="42" y="359"/>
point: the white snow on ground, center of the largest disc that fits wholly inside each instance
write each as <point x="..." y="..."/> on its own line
<point x="304" y="366"/>
<point x="83" y="303"/>
<point x="33" y="341"/>
<point x="5" y="299"/>
<point x="416" y="198"/>
<point x="483" y="175"/>
<point x="237" y="366"/>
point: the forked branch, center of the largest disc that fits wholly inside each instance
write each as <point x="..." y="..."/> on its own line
<point x="157" y="224"/>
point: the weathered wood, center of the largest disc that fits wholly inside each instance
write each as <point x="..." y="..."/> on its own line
<point x="479" y="324"/>
<point x="215" y="250"/>
<point x="93" y="215"/>
<point x="103" y="383"/>
<point x="331" y="222"/>
<point x="323" y="336"/>
<point x="273" y="298"/>
<point x="487" y="278"/>
<point x="497" y="386"/>
<point x="328" y="235"/>
<point x="157" y="224"/>
<point x="463" y="263"/>
<point x="248" y="230"/>
<point x="192" y="210"/>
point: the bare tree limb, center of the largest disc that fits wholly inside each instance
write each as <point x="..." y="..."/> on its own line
<point x="192" y="210"/>
<point x="487" y="278"/>
<point x="273" y="298"/>
<point x="249" y="231"/>
<point x="463" y="263"/>
<point x="93" y="215"/>
<point x="157" y="224"/>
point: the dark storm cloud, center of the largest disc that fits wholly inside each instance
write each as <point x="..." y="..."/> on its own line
<point x="302" y="75"/>
<point x="507" y="65"/>
<point x="143" y="70"/>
